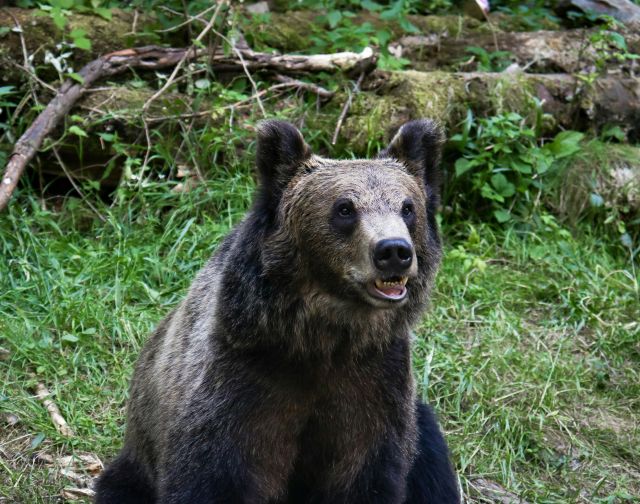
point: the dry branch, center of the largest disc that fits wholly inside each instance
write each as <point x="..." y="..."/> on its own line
<point x="155" y="58"/>
<point x="43" y="394"/>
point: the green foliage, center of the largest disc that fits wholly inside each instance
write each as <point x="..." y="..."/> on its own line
<point x="59" y="10"/>
<point x="609" y="46"/>
<point x="349" y="33"/>
<point x="503" y="169"/>
<point x="534" y="15"/>
<point x="389" y="9"/>
<point x="532" y="336"/>
<point x="490" y="61"/>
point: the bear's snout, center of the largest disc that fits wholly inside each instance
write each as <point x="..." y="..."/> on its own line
<point x="393" y="256"/>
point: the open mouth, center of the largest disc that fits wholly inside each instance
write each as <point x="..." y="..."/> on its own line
<point x="391" y="289"/>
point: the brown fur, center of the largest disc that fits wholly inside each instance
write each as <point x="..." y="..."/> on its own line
<point x="280" y="377"/>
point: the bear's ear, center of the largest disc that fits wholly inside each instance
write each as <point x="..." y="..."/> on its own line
<point x="281" y="151"/>
<point x="418" y="145"/>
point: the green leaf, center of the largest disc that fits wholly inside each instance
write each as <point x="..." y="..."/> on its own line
<point x="4" y="30"/>
<point x="502" y="216"/>
<point x="487" y="192"/>
<point x="521" y="166"/>
<point x="618" y="40"/>
<point x="615" y="132"/>
<point x="58" y="18"/>
<point x="5" y="90"/>
<point x="107" y="137"/>
<point x="333" y="18"/>
<point x="82" y="43"/>
<point x="407" y="25"/>
<point x="502" y="185"/>
<point x="371" y="6"/>
<point x="76" y="77"/>
<point x="77" y="33"/>
<point x="37" y="441"/>
<point x="565" y="144"/>
<point x="463" y="165"/>
<point x="78" y="131"/>
<point x="103" y="13"/>
<point x="69" y="338"/>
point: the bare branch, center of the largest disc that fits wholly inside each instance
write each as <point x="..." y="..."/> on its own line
<point x="43" y="394"/>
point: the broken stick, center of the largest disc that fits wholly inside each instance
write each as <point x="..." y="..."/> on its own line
<point x="155" y="58"/>
<point x="43" y="394"/>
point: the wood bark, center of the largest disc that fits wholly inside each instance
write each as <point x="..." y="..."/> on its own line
<point x="392" y="98"/>
<point x="154" y="58"/>
<point x="542" y="51"/>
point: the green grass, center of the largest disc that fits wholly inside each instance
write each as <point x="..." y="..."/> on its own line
<point x="530" y="352"/>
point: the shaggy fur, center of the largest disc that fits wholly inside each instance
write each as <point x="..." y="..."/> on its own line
<point x="280" y="378"/>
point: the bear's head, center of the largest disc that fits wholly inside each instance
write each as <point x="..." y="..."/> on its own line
<point x="360" y="231"/>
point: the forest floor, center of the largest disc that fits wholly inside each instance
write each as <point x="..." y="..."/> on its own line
<point x="530" y="352"/>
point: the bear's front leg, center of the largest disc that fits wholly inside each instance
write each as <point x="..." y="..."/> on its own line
<point x="380" y="481"/>
<point x="432" y="479"/>
<point x="236" y="449"/>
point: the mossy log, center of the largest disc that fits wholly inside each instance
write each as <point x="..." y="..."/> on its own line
<point x="391" y="98"/>
<point x="40" y="35"/>
<point x="567" y="51"/>
<point x="293" y="31"/>
<point x="610" y="172"/>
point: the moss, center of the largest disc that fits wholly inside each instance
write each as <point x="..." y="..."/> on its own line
<point x="515" y="23"/>
<point x="290" y="31"/>
<point x="612" y="171"/>
<point x="286" y="32"/>
<point x="41" y="35"/>
<point x="125" y="103"/>
<point x="453" y="26"/>
<point x="403" y="96"/>
<point x="396" y="97"/>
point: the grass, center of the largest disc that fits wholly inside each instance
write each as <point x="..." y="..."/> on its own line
<point x="530" y="353"/>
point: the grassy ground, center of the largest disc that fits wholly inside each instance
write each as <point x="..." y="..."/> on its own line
<point x="531" y="351"/>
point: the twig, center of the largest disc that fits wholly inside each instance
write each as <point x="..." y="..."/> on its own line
<point x="56" y="417"/>
<point x="155" y="58"/>
<point x="75" y="186"/>
<point x="193" y="48"/>
<point x="25" y="54"/>
<point x="188" y="19"/>
<point x="253" y="84"/>
<point x="307" y="86"/>
<point x="345" y="109"/>
<point x="134" y="24"/>
<point x="31" y="74"/>
<point x="149" y="57"/>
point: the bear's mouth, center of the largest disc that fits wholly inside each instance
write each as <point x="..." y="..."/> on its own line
<point x="390" y="289"/>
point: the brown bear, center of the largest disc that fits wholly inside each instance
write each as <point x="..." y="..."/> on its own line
<point x="285" y="374"/>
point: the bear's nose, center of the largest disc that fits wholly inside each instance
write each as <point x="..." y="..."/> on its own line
<point x="393" y="255"/>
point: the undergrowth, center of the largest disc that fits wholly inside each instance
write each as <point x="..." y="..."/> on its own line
<point x="529" y="353"/>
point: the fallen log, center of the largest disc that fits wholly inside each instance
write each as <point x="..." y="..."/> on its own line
<point x="154" y="58"/>
<point x="567" y="51"/>
<point x="392" y="98"/>
<point x="41" y="35"/>
<point x="624" y="11"/>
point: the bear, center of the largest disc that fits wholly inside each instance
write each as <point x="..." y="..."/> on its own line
<point x="285" y="375"/>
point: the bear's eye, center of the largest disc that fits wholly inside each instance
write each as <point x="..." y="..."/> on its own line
<point x="345" y="209"/>
<point x="407" y="209"/>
